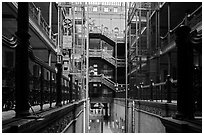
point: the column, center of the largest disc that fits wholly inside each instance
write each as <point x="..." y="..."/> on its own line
<point x="22" y="62"/>
<point x="51" y="89"/>
<point x="169" y="37"/>
<point x="185" y="103"/>
<point x="158" y="78"/>
<point x="116" y="61"/>
<point x="50" y="20"/>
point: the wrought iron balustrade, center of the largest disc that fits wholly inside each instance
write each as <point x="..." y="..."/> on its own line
<point x="158" y="92"/>
<point x="102" y="54"/>
<point x="42" y="84"/>
<point x="35" y="13"/>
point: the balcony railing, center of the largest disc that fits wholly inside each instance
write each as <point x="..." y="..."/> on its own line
<point x="102" y="54"/>
<point x="109" y="34"/>
<point x="158" y="92"/>
<point x="35" y="13"/>
<point x="193" y="20"/>
<point x="108" y="82"/>
<point x="104" y="80"/>
<point x="42" y="84"/>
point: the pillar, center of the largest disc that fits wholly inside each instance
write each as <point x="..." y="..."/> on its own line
<point x="116" y="61"/>
<point x="50" y="76"/>
<point x="22" y="62"/>
<point x="51" y="89"/>
<point x="185" y="105"/>
<point x="50" y="20"/>
<point x="169" y="62"/>
<point x="169" y="36"/>
<point x="59" y="86"/>
<point x="151" y="90"/>
<point x="168" y="88"/>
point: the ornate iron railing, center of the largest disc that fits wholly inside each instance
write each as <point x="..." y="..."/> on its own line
<point x="42" y="84"/>
<point x="35" y="13"/>
<point x="158" y="92"/>
<point x="104" y="80"/>
<point x="102" y="54"/>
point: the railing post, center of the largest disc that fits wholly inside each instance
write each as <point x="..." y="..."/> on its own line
<point x="71" y="88"/>
<point x="67" y="95"/>
<point x="50" y="89"/>
<point x="22" y="62"/>
<point x="59" y="84"/>
<point x="41" y="87"/>
<point x="138" y="92"/>
<point x="141" y="89"/>
<point x="168" y="88"/>
<point x="76" y="90"/>
<point x="63" y="91"/>
<point x="160" y="89"/>
<point x="39" y="16"/>
<point x="151" y="90"/>
<point x="50" y="20"/>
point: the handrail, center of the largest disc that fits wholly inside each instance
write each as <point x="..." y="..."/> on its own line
<point x="159" y="84"/>
<point x="171" y="31"/>
<point x="107" y="34"/>
<point x="108" y="79"/>
<point x="194" y="12"/>
<point x="35" y="13"/>
<point x="49" y="84"/>
<point x="103" y="54"/>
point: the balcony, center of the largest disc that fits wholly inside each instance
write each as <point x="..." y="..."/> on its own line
<point x="41" y="36"/>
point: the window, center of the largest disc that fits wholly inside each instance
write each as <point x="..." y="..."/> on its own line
<point x="95" y="69"/>
<point x="115" y="9"/>
<point x="105" y="9"/>
<point x="95" y="65"/>
<point x="85" y="8"/>
<point x="95" y="85"/>
<point x="95" y="9"/>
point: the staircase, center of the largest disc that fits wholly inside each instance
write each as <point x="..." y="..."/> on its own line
<point x="104" y="80"/>
<point x="108" y="82"/>
<point x="102" y="36"/>
<point x="98" y="53"/>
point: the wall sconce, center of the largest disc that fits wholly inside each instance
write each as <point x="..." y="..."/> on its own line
<point x="141" y="84"/>
<point x="152" y="83"/>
